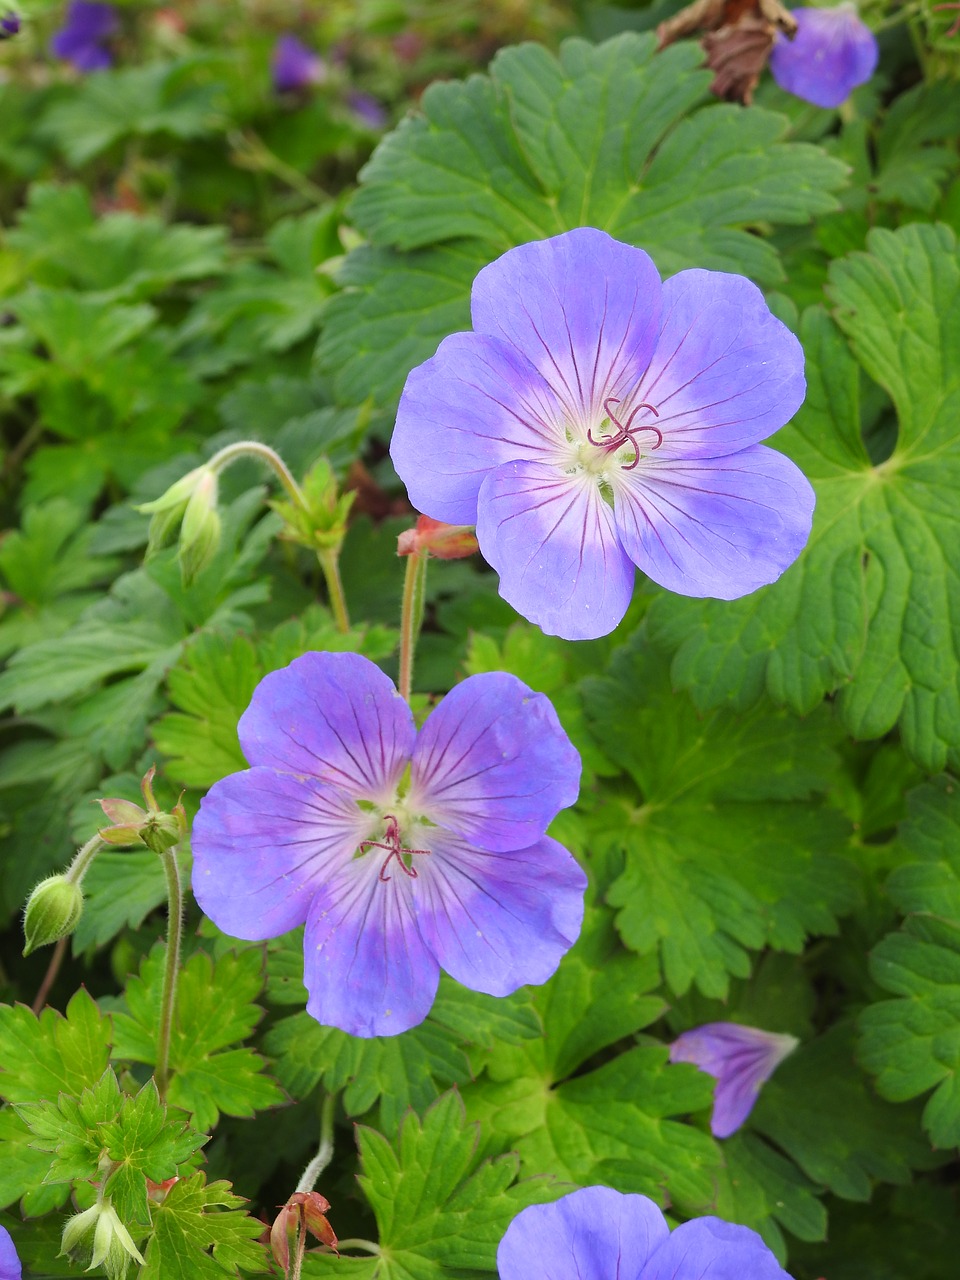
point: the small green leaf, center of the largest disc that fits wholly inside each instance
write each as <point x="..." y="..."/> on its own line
<point x="203" y="1232"/>
<point x="43" y="1057"/>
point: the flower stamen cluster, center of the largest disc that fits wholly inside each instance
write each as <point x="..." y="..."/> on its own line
<point x="626" y="431"/>
<point x="395" y="849"/>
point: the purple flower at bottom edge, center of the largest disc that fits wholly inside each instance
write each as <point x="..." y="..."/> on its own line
<point x="402" y="851"/>
<point x="80" y="40"/>
<point x="832" y="53"/>
<point x="741" y="1058"/>
<point x="596" y="420"/>
<point x="598" y="1234"/>
<point x="294" y="66"/>
<point x="10" y="1268"/>
<point x="9" y="25"/>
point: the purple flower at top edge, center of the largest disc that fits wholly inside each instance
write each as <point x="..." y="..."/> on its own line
<point x="403" y="852"/>
<point x="294" y="66"/>
<point x="599" y="1234"/>
<point x="741" y="1058"/>
<point x="10" y="1268"/>
<point x="9" y="26"/>
<point x="80" y="40"/>
<point x="596" y="420"/>
<point x="832" y="53"/>
<point x="371" y="112"/>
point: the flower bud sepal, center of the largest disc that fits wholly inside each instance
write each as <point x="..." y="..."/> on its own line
<point x="52" y="912"/>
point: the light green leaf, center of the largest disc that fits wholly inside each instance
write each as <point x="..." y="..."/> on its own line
<point x="43" y="1057"/>
<point x="203" y="1232"/>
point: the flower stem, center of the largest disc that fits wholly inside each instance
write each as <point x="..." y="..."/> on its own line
<point x="366" y="1245"/>
<point x="263" y="453"/>
<point x="325" y="1151"/>
<point x="168" y="996"/>
<point x="296" y="1262"/>
<point x="79" y="867"/>
<point x="330" y="564"/>
<point x="50" y="977"/>
<point x="411" y="616"/>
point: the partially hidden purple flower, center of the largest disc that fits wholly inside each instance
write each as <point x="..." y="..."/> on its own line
<point x="80" y="40"/>
<point x="596" y="420"/>
<point x="600" y="1234"/>
<point x="402" y="852"/>
<point x="832" y="53"/>
<point x="370" y="111"/>
<point x="9" y="25"/>
<point x="741" y="1058"/>
<point x="294" y="66"/>
<point x="10" y="1268"/>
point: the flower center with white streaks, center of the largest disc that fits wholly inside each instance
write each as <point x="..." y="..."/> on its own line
<point x="618" y="445"/>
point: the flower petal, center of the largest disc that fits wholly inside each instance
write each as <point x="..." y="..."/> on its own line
<point x="726" y="373"/>
<point x="497" y="921"/>
<point x="720" y="528"/>
<point x="493" y="763"/>
<point x="552" y="539"/>
<point x="711" y="1249"/>
<point x="263" y="843"/>
<point x="593" y="1234"/>
<point x="365" y="964"/>
<point x="334" y="716"/>
<point x="10" y="1268"/>
<point x="832" y="52"/>
<point x="583" y="307"/>
<point x="741" y="1058"/>
<point x="475" y="404"/>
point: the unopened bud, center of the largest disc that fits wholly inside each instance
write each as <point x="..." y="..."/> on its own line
<point x="99" y="1231"/>
<point x="445" y="541"/>
<point x="304" y="1211"/>
<point x="320" y="523"/>
<point x="52" y="912"/>
<point x="151" y="826"/>
<point x="201" y="528"/>
<point x="169" y="509"/>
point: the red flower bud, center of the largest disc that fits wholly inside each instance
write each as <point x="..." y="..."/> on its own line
<point x="445" y="541"/>
<point x="304" y="1211"/>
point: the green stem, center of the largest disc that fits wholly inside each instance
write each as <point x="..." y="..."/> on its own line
<point x="168" y="997"/>
<point x="251" y="152"/>
<point x="411" y="616"/>
<point x="79" y="867"/>
<point x="263" y="453"/>
<point x="330" y="564"/>
<point x="324" y="1154"/>
<point x="366" y="1245"/>
<point x="296" y="1262"/>
<point x="50" y="977"/>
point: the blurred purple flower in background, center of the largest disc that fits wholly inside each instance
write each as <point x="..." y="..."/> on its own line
<point x="294" y="66"/>
<point x="832" y="53"/>
<point x="599" y="1234"/>
<point x="596" y="420"/>
<point x="371" y="112"/>
<point x="10" y="1268"/>
<point x="9" y="25"/>
<point x="80" y="40"/>
<point x="741" y="1058"/>
<point x="403" y="852"/>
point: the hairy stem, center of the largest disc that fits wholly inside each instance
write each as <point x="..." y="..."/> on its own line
<point x="263" y="453"/>
<point x="50" y="977"/>
<point x="366" y="1245"/>
<point x="411" y="616"/>
<point x="79" y="867"/>
<point x="325" y="1151"/>
<point x="168" y="997"/>
<point x="330" y="564"/>
<point x="296" y="1262"/>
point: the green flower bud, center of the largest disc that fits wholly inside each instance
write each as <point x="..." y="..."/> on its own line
<point x="322" y="524"/>
<point x="100" y="1231"/>
<point x="170" y="508"/>
<point x="200" y="531"/>
<point x="52" y="912"/>
<point x="161" y="831"/>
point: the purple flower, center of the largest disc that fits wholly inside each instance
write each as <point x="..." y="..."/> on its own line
<point x="371" y="112"/>
<point x="10" y="1268"/>
<point x="832" y="52"/>
<point x="294" y="66"/>
<point x="80" y="39"/>
<point x="599" y="1234"/>
<point x="401" y="851"/>
<point x="9" y="26"/>
<point x="596" y="419"/>
<point x="741" y="1058"/>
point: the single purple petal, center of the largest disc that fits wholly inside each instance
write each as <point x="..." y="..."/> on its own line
<point x="294" y="66"/>
<point x="741" y="1058"/>
<point x="334" y="716"/>
<point x="726" y="373"/>
<point x="474" y="405"/>
<point x="497" y="921"/>
<point x="582" y="307"/>
<point x="721" y="527"/>
<point x="364" y="105"/>
<point x="493" y="763"/>
<point x="78" y="41"/>
<point x="92" y="58"/>
<point x="9" y="26"/>
<point x="365" y="965"/>
<point x="263" y="843"/>
<point x="711" y="1249"/>
<point x="10" y="1268"/>
<point x="593" y="1234"/>
<point x="832" y="53"/>
<point x="552" y="538"/>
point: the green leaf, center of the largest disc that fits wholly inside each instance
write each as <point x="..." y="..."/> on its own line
<point x="42" y="1057"/>
<point x="912" y="1043"/>
<point x="869" y="609"/>
<point x="604" y="136"/>
<point x="763" y="1190"/>
<point x="202" y="1231"/>
<point x="440" y="1212"/>
<point x="77" y="328"/>
<point x="726" y="847"/>
<point x="911" y="168"/>
<point x="214" y="1011"/>
<point x="22" y="1169"/>
<point x="134" y="1132"/>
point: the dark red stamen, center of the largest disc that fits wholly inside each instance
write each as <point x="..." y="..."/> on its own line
<point x="626" y="431"/>
<point x="391" y="842"/>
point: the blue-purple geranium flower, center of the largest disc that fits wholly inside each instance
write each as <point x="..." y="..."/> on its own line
<point x="10" y="1268"/>
<point x="599" y="1234"/>
<point x="81" y="40"/>
<point x="596" y="420"/>
<point x="294" y="66"/>
<point x="741" y="1058"/>
<point x="402" y="852"/>
<point x="832" y="53"/>
<point x="9" y="25"/>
